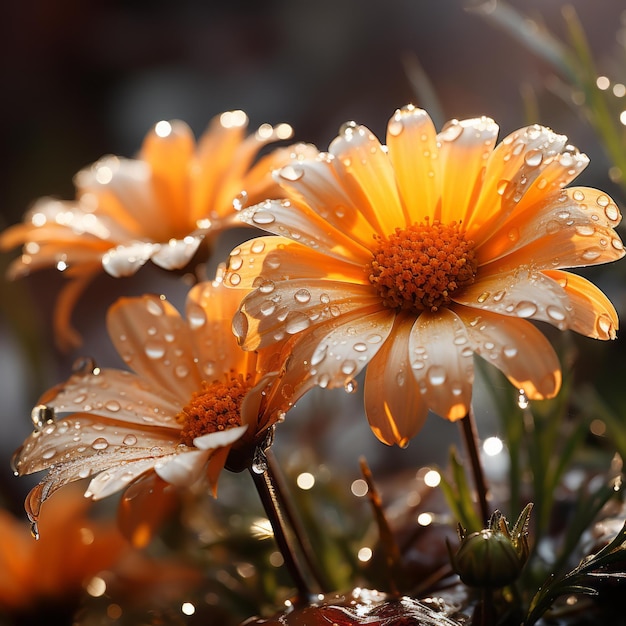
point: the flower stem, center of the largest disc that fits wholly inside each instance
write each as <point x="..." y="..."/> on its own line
<point x="264" y="483"/>
<point x="470" y="436"/>
<point x="292" y="518"/>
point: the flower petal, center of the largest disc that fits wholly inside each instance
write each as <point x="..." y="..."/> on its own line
<point x="519" y="293"/>
<point x="126" y="259"/>
<point x="274" y="311"/>
<point x="154" y="340"/>
<point x="182" y="469"/>
<point x="276" y="258"/>
<point x="593" y="314"/>
<point x="365" y="171"/>
<point x="115" y="395"/>
<point x="169" y="153"/>
<point x="316" y="183"/>
<point x="219" y="439"/>
<point x="299" y="222"/>
<point x="177" y="253"/>
<point x="516" y="348"/>
<point x="413" y="150"/>
<point x="465" y="148"/>
<point x="521" y="162"/>
<point x="394" y="405"/>
<point x="571" y="228"/>
<point x="441" y="360"/>
<point x="332" y="354"/>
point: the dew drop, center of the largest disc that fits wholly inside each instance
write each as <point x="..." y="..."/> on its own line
<point x="525" y="308"/>
<point x="617" y="244"/>
<point x="267" y="286"/>
<point x="533" y="158"/>
<point x="267" y="308"/>
<point x="263" y="218"/>
<point x="113" y="406"/>
<point x="513" y="235"/>
<point x="323" y="380"/>
<point x="291" y="173"/>
<point x="84" y="366"/>
<point x="591" y="254"/>
<point x="483" y="296"/>
<point x="451" y="131"/>
<point x="100" y="444"/>
<point x="436" y="375"/>
<point x="154" y="349"/>
<point x="509" y="351"/>
<point x="578" y="195"/>
<point x="42" y="415"/>
<point x="154" y="307"/>
<point x="296" y="323"/>
<point x="181" y="371"/>
<point x="401" y="378"/>
<point x="348" y="367"/>
<point x="48" y="453"/>
<point x="359" y="347"/>
<point x="130" y="440"/>
<point x="302" y="296"/>
<point x="319" y="355"/>
<point x="395" y="126"/>
<point x="196" y="315"/>
<point x="235" y="263"/>
<point x="556" y="313"/>
<point x="552" y="227"/>
<point x="585" y="230"/>
<point x="502" y="185"/>
<point x="610" y="211"/>
<point x="522" y="399"/>
<point x="257" y="246"/>
<point x="351" y="386"/>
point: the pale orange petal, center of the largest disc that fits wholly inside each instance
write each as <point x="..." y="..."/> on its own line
<point x="169" y="154"/>
<point x="177" y="253"/>
<point x="126" y="259"/>
<point x="593" y="314"/>
<point x="570" y="228"/>
<point x="519" y="293"/>
<point x="413" y="150"/>
<point x="324" y="356"/>
<point x="277" y="258"/>
<point x="316" y="183"/>
<point x="153" y="339"/>
<point x="441" y="360"/>
<point x="366" y="173"/>
<point x="516" y="348"/>
<point x="520" y="159"/>
<point x="394" y="406"/>
<point x="182" y="469"/>
<point x="300" y="223"/>
<point x="465" y="149"/>
<point x="65" y="335"/>
<point x="274" y="311"/>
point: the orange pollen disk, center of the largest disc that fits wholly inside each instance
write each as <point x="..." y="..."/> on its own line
<point x="419" y="267"/>
<point x="217" y="406"/>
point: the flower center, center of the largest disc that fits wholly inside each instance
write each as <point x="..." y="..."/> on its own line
<point x="217" y="406"/>
<point x="419" y="267"/>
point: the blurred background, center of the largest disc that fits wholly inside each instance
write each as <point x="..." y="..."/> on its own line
<point x="82" y="79"/>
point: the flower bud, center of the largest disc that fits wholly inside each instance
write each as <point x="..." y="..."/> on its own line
<point x="494" y="556"/>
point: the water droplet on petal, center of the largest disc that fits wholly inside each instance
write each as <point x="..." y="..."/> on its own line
<point x="350" y="386"/>
<point x="154" y="349"/>
<point x="291" y="172"/>
<point x="348" y="367"/>
<point x="509" y="351"/>
<point x="585" y="230"/>
<point x="42" y="415"/>
<point x="302" y="296"/>
<point x="297" y="322"/>
<point x="257" y="246"/>
<point x="451" y="131"/>
<point x="483" y="297"/>
<point x="263" y="218"/>
<point x="130" y="440"/>
<point x="522" y="399"/>
<point x="525" y="308"/>
<point x="533" y="158"/>
<point x="436" y="375"/>
<point x="100" y="444"/>
<point x="556" y="313"/>
<point x="84" y="366"/>
<point x="155" y="307"/>
<point x="113" y="406"/>
<point x="196" y="316"/>
<point x="591" y="254"/>
<point x="181" y="371"/>
<point x="319" y="355"/>
<point x="395" y="126"/>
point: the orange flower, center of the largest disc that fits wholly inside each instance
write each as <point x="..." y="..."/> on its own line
<point x="160" y="206"/>
<point x="53" y="570"/>
<point x="415" y="255"/>
<point x="193" y="396"/>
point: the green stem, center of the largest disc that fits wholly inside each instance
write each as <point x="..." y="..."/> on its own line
<point x="470" y="436"/>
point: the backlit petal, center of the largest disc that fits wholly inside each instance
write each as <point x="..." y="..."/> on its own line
<point x="183" y="469"/>
<point x="441" y="360"/>
<point x="519" y="293"/>
<point x="465" y="149"/>
<point x="413" y="150"/>
<point x="593" y="313"/>
<point x="177" y="253"/>
<point x="394" y="405"/>
<point x="364" y="167"/>
<point x="153" y="339"/>
<point x="274" y="311"/>
<point x="516" y="348"/>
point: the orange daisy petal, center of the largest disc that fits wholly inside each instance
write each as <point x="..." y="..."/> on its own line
<point x="519" y="293"/>
<point x="568" y="229"/>
<point x="465" y="148"/>
<point x="394" y="406"/>
<point x="522" y="159"/>
<point x="265" y="259"/>
<point x="274" y="311"/>
<point x="413" y="150"/>
<point x="593" y="313"/>
<point x="155" y="341"/>
<point x="364" y="169"/>
<point x="169" y="149"/>
<point x="441" y="361"/>
<point x="516" y="348"/>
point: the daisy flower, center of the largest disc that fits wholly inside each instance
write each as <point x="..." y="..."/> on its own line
<point x="414" y="255"/>
<point x="193" y="398"/>
<point x="160" y="206"/>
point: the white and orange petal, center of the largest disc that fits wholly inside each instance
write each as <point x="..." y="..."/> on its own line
<point x="414" y="153"/>
<point x="366" y="173"/>
<point x="465" y="147"/>
<point x="517" y="348"/>
<point x="441" y="360"/>
<point x="593" y="314"/>
<point x="395" y="408"/>
<point x="154" y="340"/>
<point x="177" y="253"/>
<point x="522" y="293"/>
<point x="272" y="258"/>
<point x="276" y="310"/>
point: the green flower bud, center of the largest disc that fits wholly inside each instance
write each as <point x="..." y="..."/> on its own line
<point x="494" y="556"/>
